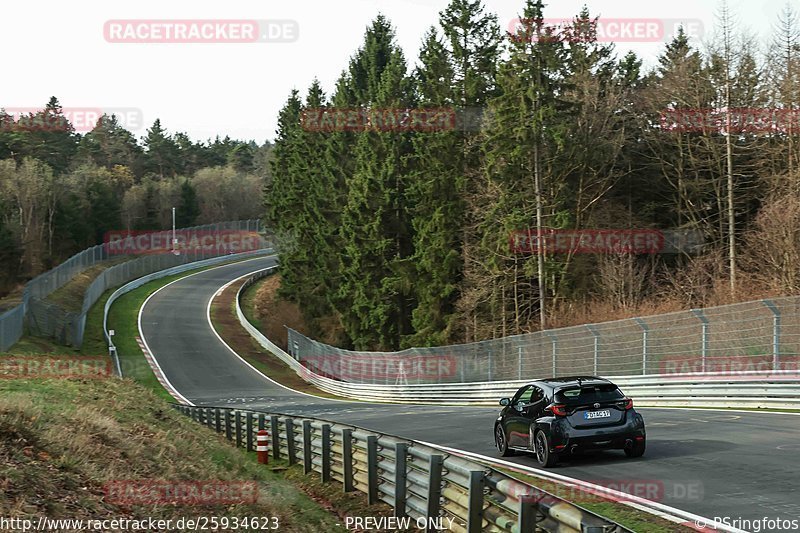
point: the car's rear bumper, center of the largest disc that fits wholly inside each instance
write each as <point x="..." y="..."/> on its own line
<point x="566" y="439"/>
<point x="605" y="442"/>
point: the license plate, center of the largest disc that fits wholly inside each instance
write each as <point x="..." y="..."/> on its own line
<point x="591" y="415"/>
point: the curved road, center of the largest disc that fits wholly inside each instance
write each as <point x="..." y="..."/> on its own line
<point x="710" y="463"/>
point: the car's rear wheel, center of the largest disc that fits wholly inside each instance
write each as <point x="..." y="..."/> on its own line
<point x="636" y="449"/>
<point x="501" y="442"/>
<point x="541" y="446"/>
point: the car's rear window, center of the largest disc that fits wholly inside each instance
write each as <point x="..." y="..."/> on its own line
<point x="588" y="394"/>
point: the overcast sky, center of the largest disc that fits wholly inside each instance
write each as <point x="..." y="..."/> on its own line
<point x="57" y="48"/>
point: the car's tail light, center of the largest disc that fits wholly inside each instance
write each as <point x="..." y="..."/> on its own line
<point x="628" y="403"/>
<point x="557" y="409"/>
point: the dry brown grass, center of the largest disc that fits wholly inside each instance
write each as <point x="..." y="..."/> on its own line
<point x="70" y="296"/>
<point x="223" y="316"/>
<point x="274" y="312"/>
<point x="61" y="441"/>
<point x="716" y="292"/>
<point x="12" y="297"/>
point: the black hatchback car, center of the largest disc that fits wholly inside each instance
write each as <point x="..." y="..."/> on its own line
<point x="559" y="416"/>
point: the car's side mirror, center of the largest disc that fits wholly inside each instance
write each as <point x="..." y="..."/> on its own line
<point x="505" y="401"/>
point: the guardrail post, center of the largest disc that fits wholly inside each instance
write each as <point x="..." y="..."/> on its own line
<point x="645" y="329"/>
<point x="776" y="333"/>
<point x="209" y="419"/>
<point x="434" y="490"/>
<point x="527" y="513"/>
<point x="554" y="341"/>
<point x="217" y="420"/>
<point x="400" y="478"/>
<point x="307" y="446"/>
<point x="475" y="506"/>
<point x="596" y="336"/>
<point x="704" y="336"/>
<point x="261" y="422"/>
<point x="347" y="459"/>
<point x="238" y="421"/>
<point x="276" y="438"/>
<point x="519" y="363"/>
<point x="291" y="453"/>
<point x="326" y="453"/>
<point x="372" y="470"/>
<point x="249" y="431"/>
<point x="228" y="425"/>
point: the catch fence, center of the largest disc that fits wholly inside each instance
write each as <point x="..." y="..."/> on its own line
<point x="744" y="337"/>
<point x="47" y="318"/>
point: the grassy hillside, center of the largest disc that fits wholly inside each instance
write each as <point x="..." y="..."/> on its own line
<point x="62" y="441"/>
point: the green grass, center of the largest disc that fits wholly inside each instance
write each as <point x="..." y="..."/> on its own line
<point x="29" y="345"/>
<point x="123" y="319"/>
<point x="94" y="341"/>
<point x="634" y="519"/>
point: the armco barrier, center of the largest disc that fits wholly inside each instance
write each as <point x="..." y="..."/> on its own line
<point x="135" y="284"/>
<point x="765" y="389"/>
<point x="429" y="486"/>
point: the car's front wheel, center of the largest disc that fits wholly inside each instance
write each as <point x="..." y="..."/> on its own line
<point x="501" y="442"/>
<point x="541" y="447"/>
<point x="636" y="449"/>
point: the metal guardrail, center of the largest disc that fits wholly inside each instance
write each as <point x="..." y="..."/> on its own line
<point x="760" y="389"/>
<point x="417" y="481"/>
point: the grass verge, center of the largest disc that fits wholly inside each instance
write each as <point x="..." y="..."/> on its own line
<point x="620" y="513"/>
<point x="123" y="318"/>
<point x="63" y="441"/>
<point x="70" y="295"/>
<point x="225" y="321"/>
<point x="249" y="302"/>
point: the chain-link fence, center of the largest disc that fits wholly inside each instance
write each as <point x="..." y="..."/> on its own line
<point x="11" y="326"/>
<point x="757" y="335"/>
<point x="47" y="319"/>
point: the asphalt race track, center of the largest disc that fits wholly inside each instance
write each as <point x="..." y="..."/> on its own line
<point x="710" y="463"/>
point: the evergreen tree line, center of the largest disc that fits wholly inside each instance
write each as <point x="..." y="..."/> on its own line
<point x="392" y="239"/>
<point x="61" y="191"/>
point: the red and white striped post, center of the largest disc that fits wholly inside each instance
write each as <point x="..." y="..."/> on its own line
<point x="262" y="446"/>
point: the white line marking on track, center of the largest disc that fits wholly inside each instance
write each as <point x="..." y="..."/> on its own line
<point x="254" y="369"/>
<point x="670" y="513"/>
<point x="181" y="397"/>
